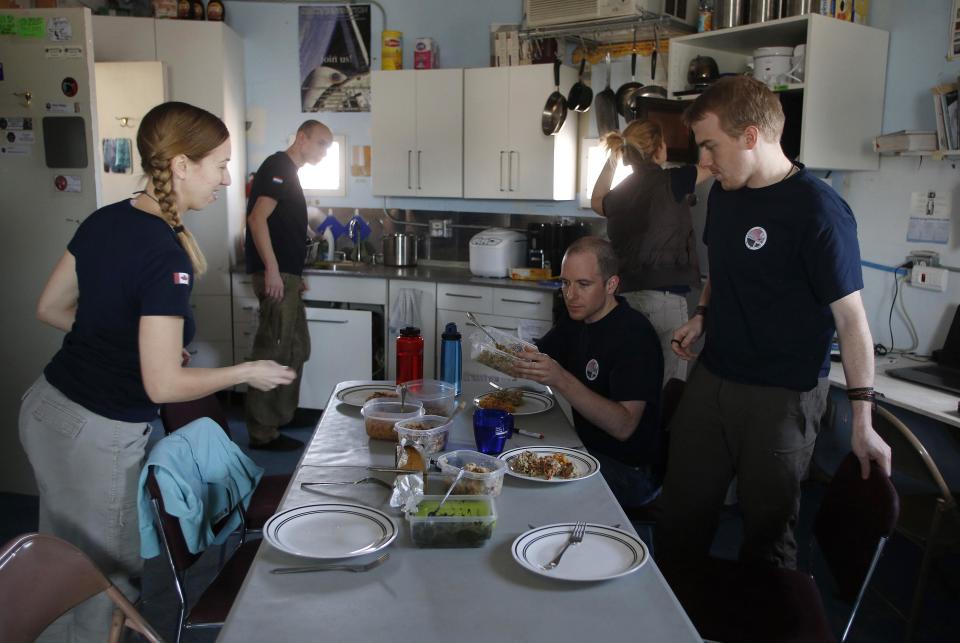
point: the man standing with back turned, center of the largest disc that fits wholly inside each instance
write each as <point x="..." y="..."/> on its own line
<point x="275" y="250"/>
<point x="784" y="274"/>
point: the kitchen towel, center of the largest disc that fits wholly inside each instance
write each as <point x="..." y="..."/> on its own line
<point x="405" y="310"/>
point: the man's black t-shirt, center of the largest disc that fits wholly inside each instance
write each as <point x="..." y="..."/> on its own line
<point x="277" y="179"/>
<point x="779" y="255"/>
<point x="129" y="264"/>
<point x="619" y="358"/>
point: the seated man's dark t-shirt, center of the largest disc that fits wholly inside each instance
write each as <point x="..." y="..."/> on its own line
<point x="619" y="358"/>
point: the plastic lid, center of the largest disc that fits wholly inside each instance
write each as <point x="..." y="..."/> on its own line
<point x="410" y="331"/>
<point x="450" y="332"/>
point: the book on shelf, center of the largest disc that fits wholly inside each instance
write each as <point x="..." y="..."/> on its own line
<point x="946" y="107"/>
<point x="906" y="141"/>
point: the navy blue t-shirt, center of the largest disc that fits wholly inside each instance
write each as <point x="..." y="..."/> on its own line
<point x="618" y="357"/>
<point x="779" y="256"/>
<point x="129" y="264"/>
<point x="277" y="178"/>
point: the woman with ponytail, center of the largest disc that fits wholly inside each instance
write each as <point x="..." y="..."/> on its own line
<point x="121" y="293"/>
<point x="651" y="230"/>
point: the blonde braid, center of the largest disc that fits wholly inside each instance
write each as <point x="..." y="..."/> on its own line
<point x="162" y="179"/>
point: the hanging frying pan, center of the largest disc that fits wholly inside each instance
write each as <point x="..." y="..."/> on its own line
<point x="653" y="90"/>
<point x="580" y="96"/>
<point x="626" y="91"/>
<point x="555" y="109"/>
<point x="605" y="107"/>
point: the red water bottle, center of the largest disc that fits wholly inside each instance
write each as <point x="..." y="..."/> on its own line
<point x="409" y="355"/>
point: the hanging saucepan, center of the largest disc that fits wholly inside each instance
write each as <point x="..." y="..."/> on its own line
<point x="555" y="110"/>
<point x="653" y="90"/>
<point x="626" y="91"/>
<point x="605" y="107"/>
<point x="580" y="96"/>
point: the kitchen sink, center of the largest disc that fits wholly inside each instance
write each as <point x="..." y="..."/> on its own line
<point x="343" y="264"/>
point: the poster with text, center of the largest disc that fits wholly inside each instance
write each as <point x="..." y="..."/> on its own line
<point x="335" y="58"/>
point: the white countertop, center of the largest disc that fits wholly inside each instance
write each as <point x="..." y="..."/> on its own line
<point x="930" y="402"/>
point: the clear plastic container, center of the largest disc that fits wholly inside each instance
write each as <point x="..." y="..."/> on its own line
<point x="501" y="356"/>
<point x="488" y="483"/>
<point x="438" y="398"/>
<point x="464" y="521"/>
<point x="380" y="416"/>
<point x="429" y="431"/>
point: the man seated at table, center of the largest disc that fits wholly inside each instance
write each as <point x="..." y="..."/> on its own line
<point x="606" y="360"/>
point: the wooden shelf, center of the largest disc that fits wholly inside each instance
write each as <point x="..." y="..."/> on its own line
<point x="788" y="87"/>
<point x="935" y="154"/>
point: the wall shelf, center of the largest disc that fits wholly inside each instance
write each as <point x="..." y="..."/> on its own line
<point x="612" y="30"/>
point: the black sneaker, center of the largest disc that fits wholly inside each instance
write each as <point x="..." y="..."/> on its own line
<point x="279" y="443"/>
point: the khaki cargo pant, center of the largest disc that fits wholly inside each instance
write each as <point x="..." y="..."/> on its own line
<point x="282" y="336"/>
<point x="765" y="436"/>
<point x="666" y="312"/>
<point x="87" y="469"/>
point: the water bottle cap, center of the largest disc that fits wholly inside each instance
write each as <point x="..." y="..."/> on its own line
<point x="450" y="332"/>
<point x="410" y="331"/>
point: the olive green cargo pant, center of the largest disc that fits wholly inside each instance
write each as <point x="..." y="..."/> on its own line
<point x="282" y="336"/>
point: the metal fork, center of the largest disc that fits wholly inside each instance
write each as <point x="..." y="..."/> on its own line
<point x="576" y="537"/>
<point x="329" y="568"/>
<point x="306" y="485"/>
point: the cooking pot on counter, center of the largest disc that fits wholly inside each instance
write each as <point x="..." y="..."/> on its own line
<point x="400" y="250"/>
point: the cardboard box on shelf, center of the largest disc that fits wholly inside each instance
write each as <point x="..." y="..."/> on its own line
<point x="906" y="141"/>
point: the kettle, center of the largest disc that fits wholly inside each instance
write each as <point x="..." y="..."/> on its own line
<point x="702" y="71"/>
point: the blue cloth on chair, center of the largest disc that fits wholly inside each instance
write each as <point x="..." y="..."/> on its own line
<point x="201" y="474"/>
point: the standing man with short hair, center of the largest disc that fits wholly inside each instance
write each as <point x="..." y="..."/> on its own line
<point x="784" y="274"/>
<point x="275" y="251"/>
<point x="605" y="359"/>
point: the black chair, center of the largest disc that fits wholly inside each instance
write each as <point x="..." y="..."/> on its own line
<point x="929" y="520"/>
<point x="269" y="492"/>
<point x="213" y="605"/>
<point x="43" y="577"/>
<point x="732" y="601"/>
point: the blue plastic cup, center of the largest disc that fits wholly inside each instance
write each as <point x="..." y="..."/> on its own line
<point x="491" y="429"/>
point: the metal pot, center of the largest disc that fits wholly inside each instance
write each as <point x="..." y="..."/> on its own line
<point x="400" y="250"/>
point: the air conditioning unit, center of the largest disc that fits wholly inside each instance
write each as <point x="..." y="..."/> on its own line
<point x="543" y="13"/>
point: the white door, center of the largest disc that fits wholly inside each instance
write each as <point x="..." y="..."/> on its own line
<point x="125" y="92"/>
<point x="486" y="139"/>
<point x="394" y="132"/>
<point x="439" y="111"/>
<point x="340" y="349"/>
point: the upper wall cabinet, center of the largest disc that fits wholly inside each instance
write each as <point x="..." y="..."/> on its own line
<point x="506" y="154"/>
<point x="417" y="131"/>
<point x="837" y="109"/>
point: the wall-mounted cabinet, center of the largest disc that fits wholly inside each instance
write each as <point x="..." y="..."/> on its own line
<point x="417" y="132"/>
<point x="834" y="114"/>
<point x="506" y="154"/>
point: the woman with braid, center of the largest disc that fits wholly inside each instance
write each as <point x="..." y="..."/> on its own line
<point x="121" y="292"/>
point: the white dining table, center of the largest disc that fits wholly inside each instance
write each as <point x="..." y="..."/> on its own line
<point x="463" y="595"/>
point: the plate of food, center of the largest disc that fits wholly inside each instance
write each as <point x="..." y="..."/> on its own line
<point x="359" y="394"/>
<point x="549" y="464"/>
<point x="515" y="400"/>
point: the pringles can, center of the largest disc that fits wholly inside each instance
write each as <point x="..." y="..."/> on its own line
<point x="391" y="51"/>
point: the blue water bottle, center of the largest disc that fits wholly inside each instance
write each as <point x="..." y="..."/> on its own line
<point x="450" y="356"/>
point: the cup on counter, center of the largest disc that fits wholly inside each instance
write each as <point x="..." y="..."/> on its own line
<point x="491" y="430"/>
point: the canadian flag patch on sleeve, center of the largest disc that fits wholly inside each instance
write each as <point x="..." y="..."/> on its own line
<point x="278" y="179"/>
<point x="181" y="278"/>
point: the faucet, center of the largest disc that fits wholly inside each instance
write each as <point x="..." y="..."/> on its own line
<point x="353" y="232"/>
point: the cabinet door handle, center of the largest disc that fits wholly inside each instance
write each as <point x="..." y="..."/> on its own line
<point x="328" y="321"/>
<point x="419" y="152"/>
<point x="519" y="301"/>
<point x="453" y="294"/>
<point x="250" y="308"/>
<point x="512" y="152"/>
<point x="504" y="328"/>
<point x="502" y="152"/>
<point x="409" y="169"/>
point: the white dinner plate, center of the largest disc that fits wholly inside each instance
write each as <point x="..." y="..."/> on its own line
<point x="584" y="464"/>
<point x="357" y="395"/>
<point x="604" y="553"/>
<point x="532" y="402"/>
<point x="330" y="530"/>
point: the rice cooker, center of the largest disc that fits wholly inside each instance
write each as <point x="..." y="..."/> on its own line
<point x="495" y="250"/>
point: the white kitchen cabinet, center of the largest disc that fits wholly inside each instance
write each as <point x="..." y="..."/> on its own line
<point x="417" y="132"/>
<point x="839" y="106"/>
<point x="506" y="153"/>
<point x="426" y="310"/>
<point x="340" y="350"/>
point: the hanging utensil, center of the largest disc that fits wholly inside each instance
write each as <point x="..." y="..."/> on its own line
<point x="605" y="106"/>
<point x="580" y="96"/>
<point x="555" y="109"/>
<point x="626" y="89"/>
<point x="653" y="90"/>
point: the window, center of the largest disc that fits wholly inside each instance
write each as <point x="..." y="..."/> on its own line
<point x="592" y="158"/>
<point x="328" y="177"/>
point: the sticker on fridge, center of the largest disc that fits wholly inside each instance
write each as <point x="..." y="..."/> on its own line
<point x="335" y="58"/>
<point x="67" y="183"/>
<point x="59" y="29"/>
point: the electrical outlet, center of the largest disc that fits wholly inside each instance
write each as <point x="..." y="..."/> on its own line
<point x="930" y="278"/>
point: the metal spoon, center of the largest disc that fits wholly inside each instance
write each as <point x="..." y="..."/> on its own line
<point x="449" y="491"/>
<point x="473" y="320"/>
